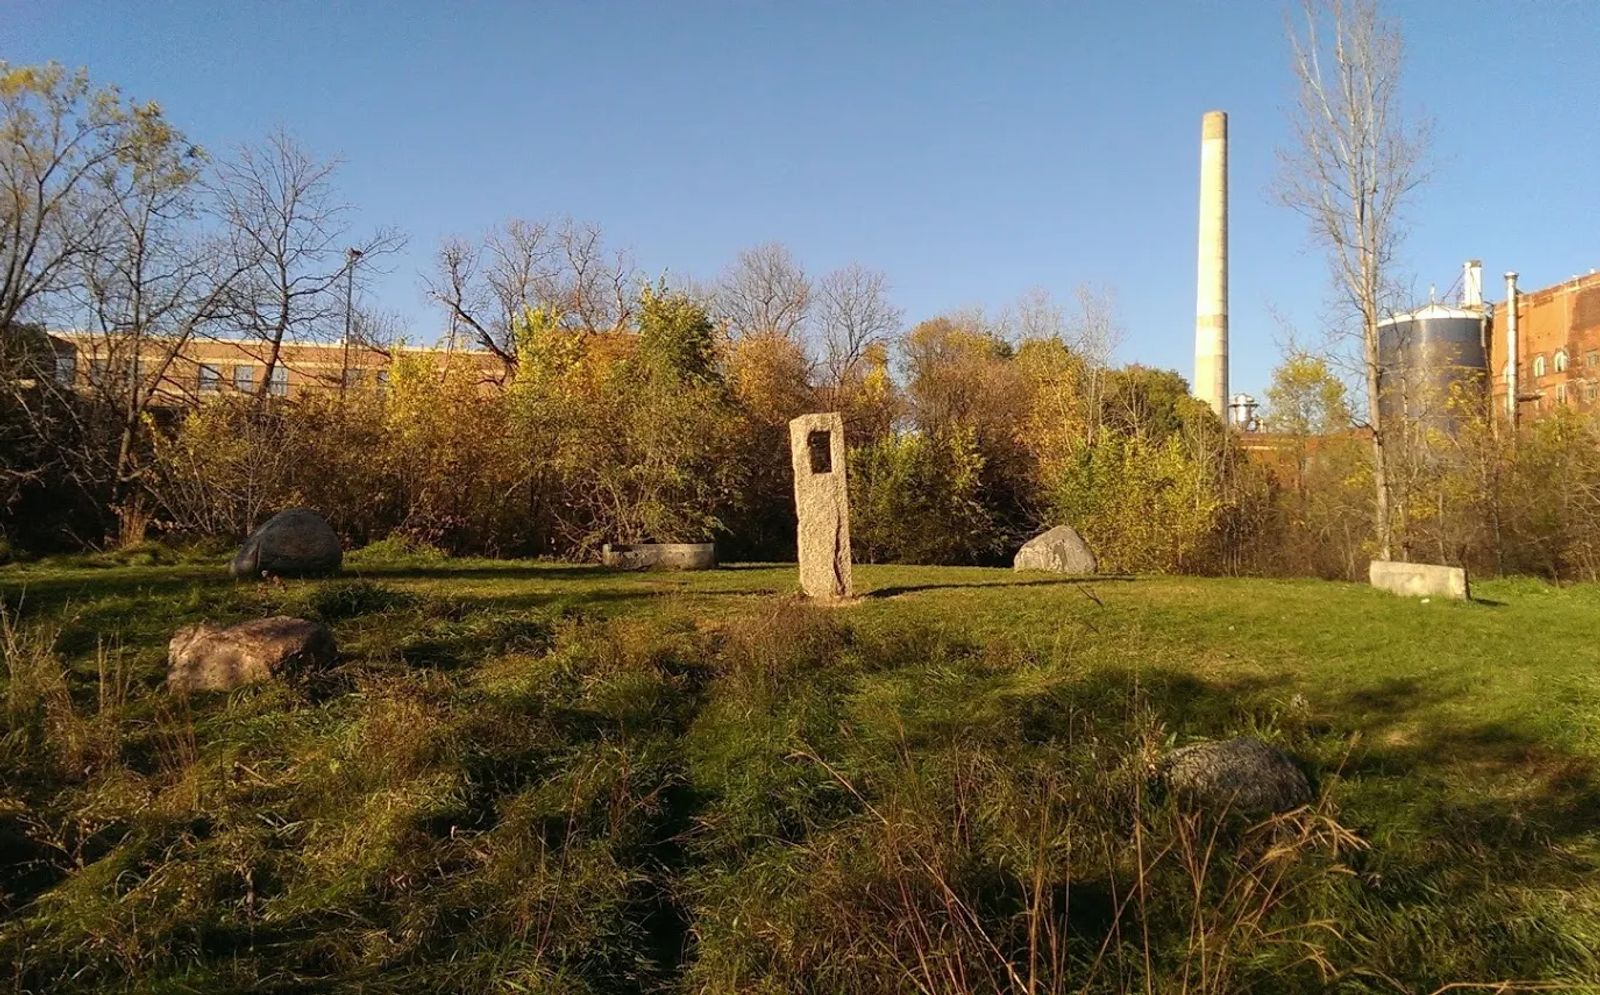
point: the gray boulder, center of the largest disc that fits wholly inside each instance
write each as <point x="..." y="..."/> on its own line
<point x="296" y="542"/>
<point x="209" y="657"/>
<point x="1242" y="775"/>
<point x="1060" y="551"/>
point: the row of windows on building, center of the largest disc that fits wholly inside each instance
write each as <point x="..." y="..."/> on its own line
<point x="1559" y="362"/>
<point x="213" y="376"/>
<point x="244" y="378"/>
<point x="1568" y="393"/>
<point x="210" y="377"/>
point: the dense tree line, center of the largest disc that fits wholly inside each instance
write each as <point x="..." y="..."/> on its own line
<point x="676" y="430"/>
<point x="616" y="408"/>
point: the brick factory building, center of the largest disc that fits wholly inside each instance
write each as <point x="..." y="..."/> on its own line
<point x="1558" y="348"/>
<point x="1440" y="355"/>
<point x="211" y="366"/>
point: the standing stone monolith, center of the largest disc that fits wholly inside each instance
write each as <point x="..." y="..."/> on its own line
<point x="822" y="504"/>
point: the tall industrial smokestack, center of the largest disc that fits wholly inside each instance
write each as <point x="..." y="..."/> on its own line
<point x="1511" y="348"/>
<point x="1211" y="298"/>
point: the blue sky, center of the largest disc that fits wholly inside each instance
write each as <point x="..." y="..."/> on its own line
<point x="970" y="150"/>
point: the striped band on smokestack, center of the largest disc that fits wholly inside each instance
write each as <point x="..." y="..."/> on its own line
<point x="1211" y="298"/>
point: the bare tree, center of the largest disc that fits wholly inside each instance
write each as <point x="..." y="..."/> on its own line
<point x="1354" y="163"/>
<point x="459" y="284"/>
<point x="1094" y="333"/>
<point x="1094" y="330"/>
<point x="489" y="287"/>
<point x="594" y="287"/>
<point x="58" y="138"/>
<point x="765" y="292"/>
<point x="855" y="314"/>
<point x="289" y="237"/>
<point x="1035" y="315"/>
<point x="378" y="331"/>
<point x="155" y="283"/>
<point x="521" y="258"/>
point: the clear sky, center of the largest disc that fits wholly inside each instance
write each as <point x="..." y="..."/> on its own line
<point x="969" y="150"/>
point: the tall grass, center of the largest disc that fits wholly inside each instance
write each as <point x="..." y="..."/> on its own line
<point x="483" y="799"/>
<point x="43" y="720"/>
<point x="1005" y="839"/>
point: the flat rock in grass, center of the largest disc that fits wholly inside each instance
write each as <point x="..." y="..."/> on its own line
<point x="208" y="657"/>
<point x="1240" y="775"/>
<point x="296" y="542"/>
<point x="1060" y="550"/>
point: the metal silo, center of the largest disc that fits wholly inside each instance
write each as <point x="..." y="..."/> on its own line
<point x="1432" y="360"/>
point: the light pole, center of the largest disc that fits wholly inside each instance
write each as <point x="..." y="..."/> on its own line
<point x="351" y="255"/>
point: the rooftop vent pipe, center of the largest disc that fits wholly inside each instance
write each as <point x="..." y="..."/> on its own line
<point x="1511" y="348"/>
<point x="1472" y="284"/>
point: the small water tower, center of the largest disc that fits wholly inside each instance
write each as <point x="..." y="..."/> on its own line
<point x="1242" y="413"/>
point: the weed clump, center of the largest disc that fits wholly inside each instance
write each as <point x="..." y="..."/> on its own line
<point x="341" y="600"/>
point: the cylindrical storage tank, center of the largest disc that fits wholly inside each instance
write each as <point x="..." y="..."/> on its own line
<point x="1432" y="362"/>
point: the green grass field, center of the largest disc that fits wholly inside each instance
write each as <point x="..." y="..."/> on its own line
<point x="537" y="777"/>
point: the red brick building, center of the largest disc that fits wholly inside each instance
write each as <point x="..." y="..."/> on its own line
<point x="1558" y="348"/>
<point x="205" y="367"/>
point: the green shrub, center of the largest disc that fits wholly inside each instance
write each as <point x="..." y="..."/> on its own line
<point x="395" y="550"/>
<point x="1142" y="505"/>
<point x="917" y="499"/>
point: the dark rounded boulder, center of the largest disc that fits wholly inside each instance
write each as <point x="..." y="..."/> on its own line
<point x="1244" y="776"/>
<point x="296" y="542"/>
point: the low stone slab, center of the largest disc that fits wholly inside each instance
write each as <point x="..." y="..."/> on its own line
<point x="1420" y="580"/>
<point x="296" y="542"/>
<point x="660" y="555"/>
<point x="1243" y="776"/>
<point x="208" y="657"/>
<point x="1060" y="550"/>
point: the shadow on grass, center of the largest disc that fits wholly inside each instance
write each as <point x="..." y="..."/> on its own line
<point x="1391" y="700"/>
<point x="48" y="591"/>
<point x="512" y="570"/>
<point x="1489" y="799"/>
<point x="895" y="590"/>
<point x="1471" y="824"/>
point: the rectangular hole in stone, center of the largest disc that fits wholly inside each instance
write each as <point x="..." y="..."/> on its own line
<point x="820" y="443"/>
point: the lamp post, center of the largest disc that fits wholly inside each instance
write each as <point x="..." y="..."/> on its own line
<point x="351" y="255"/>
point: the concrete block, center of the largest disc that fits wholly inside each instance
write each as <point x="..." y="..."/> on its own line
<point x="1420" y="580"/>
<point x="659" y="555"/>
